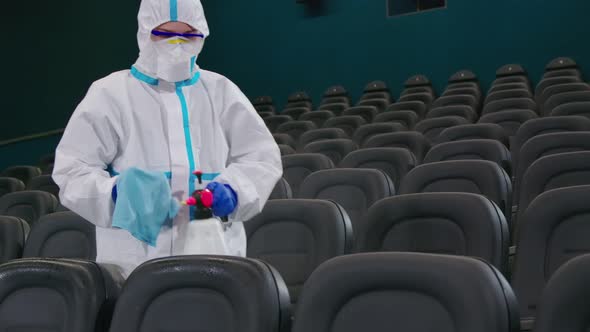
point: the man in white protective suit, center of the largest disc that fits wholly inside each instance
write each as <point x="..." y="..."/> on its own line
<point x="162" y="121"/>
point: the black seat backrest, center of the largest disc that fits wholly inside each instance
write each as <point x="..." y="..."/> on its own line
<point x="509" y="103"/>
<point x="353" y="189"/>
<point x="336" y="91"/>
<point x="285" y="139"/>
<point x="406" y="292"/>
<point x="317" y="117"/>
<point x="273" y="122"/>
<point x="23" y="173"/>
<point x="580" y="108"/>
<point x="366" y="112"/>
<point x="471" y="176"/>
<point x="564" y="305"/>
<point x="417" y="107"/>
<point x="560" y="63"/>
<point x="62" y="235"/>
<point x="408" y="119"/>
<point x="516" y="83"/>
<point x="510" y="80"/>
<point x="512" y="69"/>
<point x="505" y="94"/>
<point x="321" y="134"/>
<point x="562" y="73"/>
<point x="540" y="95"/>
<point x="28" y="205"/>
<point x="432" y="223"/>
<point x="561" y="88"/>
<point x="395" y="162"/>
<point x="57" y="295"/>
<point x="463" y="111"/>
<point x="509" y="120"/>
<point x="418" y="89"/>
<point x="553" y="230"/>
<point x="548" y="144"/>
<point x="425" y="97"/>
<point x="376" y="86"/>
<point x="415" y="142"/>
<point x="463" y="75"/>
<point x="262" y="100"/>
<point x="13" y="234"/>
<point x="472" y="91"/>
<point x="335" y="100"/>
<point x="417" y="80"/>
<point x="265" y="109"/>
<point x="297" y="167"/>
<point x="296" y="236"/>
<point x="262" y="115"/>
<point x="348" y="123"/>
<point x="10" y="185"/>
<point x="432" y="128"/>
<point x="564" y="98"/>
<point x="296" y="112"/>
<point x="379" y="104"/>
<point x="376" y="95"/>
<point x="474" y="131"/>
<point x="478" y="149"/>
<point x="207" y="293"/>
<point x="286" y="150"/>
<point x="365" y="132"/>
<point x="552" y="172"/>
<point x="335" y="149"/>
<point x="282" y="190"/>
<point x="296" y="128"/>
<point x="546" y="125"/>
<point x="468" y="100"/>
<point x="336" y="109"/>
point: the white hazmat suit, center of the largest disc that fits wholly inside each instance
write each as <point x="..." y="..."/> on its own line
<point x="133" y="119"/>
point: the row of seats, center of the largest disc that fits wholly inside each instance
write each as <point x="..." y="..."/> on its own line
<point x="377" y="291"/>
<point x="511" y="85"/>
<point x="534" y="159"/>
<point x="41" y="183"/>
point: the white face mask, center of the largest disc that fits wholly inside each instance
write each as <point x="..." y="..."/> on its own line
<point x="175" y="58"/>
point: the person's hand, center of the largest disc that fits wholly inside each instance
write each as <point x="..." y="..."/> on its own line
<point x="225" y="199"/>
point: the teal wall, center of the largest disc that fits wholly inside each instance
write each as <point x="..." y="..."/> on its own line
<point x="272" y="47"/>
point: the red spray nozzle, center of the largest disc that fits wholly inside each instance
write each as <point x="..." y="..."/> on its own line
<point x="199" y="176"/>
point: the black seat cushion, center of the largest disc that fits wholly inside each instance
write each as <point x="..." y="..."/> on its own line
<point x="553" y="230"/>
<point x="406" y="292"/>
<point x="9" y="185"/>
<point x="56" y="295"/>
<point x="13" y="234"/>
<point x="433" y="223"/>
<point x="297" y="167"/>
<point x="395" y="162"/>
<point x="296" y="236"/>
<point x="208" y="293"/>
<point x="28" y="205"/>
<point x="478" y="149"/>
<point x="415" y="142"/>
<point x="471" y="176"/>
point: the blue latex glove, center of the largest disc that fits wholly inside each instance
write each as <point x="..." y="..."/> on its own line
<point x="143" y="204"/>
<point x="225" y="199"/>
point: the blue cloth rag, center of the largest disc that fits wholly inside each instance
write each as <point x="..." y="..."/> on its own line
<point x="144" y="203"/>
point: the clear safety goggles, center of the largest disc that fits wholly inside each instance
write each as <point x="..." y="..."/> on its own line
<point x="187" y="35"/>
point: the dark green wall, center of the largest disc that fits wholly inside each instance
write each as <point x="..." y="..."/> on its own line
<point x="52" y="51"/>
<point x="272" y="47"/>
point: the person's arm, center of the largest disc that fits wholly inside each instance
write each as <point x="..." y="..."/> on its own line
<point x="88" y="146"/>
<point x="254" y="164"/>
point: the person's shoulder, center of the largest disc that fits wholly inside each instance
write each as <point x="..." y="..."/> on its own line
<point x="216" y="80"/>
<point x="112" y="81"/>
